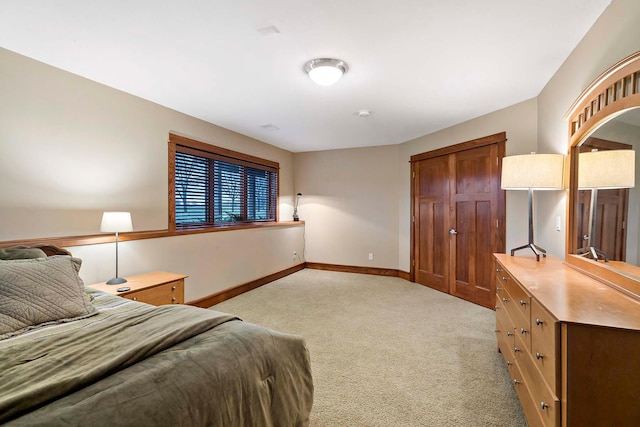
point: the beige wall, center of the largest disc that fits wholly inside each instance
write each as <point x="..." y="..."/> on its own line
<point x="615" y="35"/>
<point x="534" y="125"/>
<point x="350" y="205"/>
<point x="518" y="121"/>
<point x="358" y="201"/>
<point x="71" y="148"/>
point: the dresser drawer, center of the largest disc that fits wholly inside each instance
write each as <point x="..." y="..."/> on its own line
<point x="168" y="293"/>
<point x="545" y="340"/>
<point x="545" y="401"/>
<point x="521" y="385"/>
<point x="499" y="275"/>
<point x="518" y="304"/>
<point x="505" y="336"/>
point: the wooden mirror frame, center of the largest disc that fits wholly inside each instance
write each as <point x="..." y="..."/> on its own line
<point x="611" y="94"/>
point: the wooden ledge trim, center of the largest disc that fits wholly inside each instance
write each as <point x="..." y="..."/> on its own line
<point x="95" y="239"/>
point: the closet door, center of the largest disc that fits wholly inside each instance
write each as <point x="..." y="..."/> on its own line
<point x="458" y="218"/>
<point x="432" y="223"/>
<point x="475" y="185"/>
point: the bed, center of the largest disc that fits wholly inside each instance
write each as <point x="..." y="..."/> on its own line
<point x="118" y="362"/>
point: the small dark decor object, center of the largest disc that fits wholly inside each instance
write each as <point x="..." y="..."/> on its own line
<point x="295" y="208"/>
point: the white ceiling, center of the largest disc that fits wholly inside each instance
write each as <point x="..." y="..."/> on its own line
<point x="417" y="65"/>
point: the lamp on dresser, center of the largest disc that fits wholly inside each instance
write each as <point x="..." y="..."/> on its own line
<point x="116" y="222"/>
<point x="600" y="170"/>
<point x="532" y="172"/>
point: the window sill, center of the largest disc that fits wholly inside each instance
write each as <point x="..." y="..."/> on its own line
<point x="228" y="227"/>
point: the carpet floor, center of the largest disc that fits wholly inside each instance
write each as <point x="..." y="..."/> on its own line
<point x="388" y="352"/>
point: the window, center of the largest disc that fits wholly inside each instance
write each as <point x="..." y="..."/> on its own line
<point x="211" y="186"/>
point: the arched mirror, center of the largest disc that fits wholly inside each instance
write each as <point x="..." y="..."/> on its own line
<point x="603" y="237"/>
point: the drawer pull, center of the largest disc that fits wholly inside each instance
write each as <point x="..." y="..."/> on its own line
<point x="523" y="331"/>
<point x="498" y="289"/>
<point x="505" y="299"/>
<point x="173" y="299"/>
<point x="504" y="278"/>
<point x="543" y="406"/>
<point x="539" y="322"/>
<point x="498" y="270"/>
<point x="516" y="382"/>
<point x="516" y="349"/>
<point x="523" y="302"/>
<point x="173" y="288"/>
<point x="509" y="333"/>
<point x="496" y="307"/>
<point x="134" y="299"/>
<point x="539" y="356"/>
<point x="509" y="363"/>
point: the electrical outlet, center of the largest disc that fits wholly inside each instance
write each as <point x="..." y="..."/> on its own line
<point x="371" y="256"/>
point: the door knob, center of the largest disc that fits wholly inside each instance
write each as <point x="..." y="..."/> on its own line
<point x="453" y="232"/>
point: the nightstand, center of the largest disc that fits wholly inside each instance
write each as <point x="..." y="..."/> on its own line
<point x="156" y="288"/>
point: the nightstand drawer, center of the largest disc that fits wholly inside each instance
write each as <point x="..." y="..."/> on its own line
<point x="156" y="288"/>
<point x="169" y="293"/>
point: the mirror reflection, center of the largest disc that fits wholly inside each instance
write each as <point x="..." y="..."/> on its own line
<point x="609" y="228"/>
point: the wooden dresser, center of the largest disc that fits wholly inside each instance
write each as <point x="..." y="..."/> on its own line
<point x="156" y="288"/>
<point x="570" y="342"/>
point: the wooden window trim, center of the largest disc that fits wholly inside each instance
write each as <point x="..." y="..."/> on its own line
<point x="199" y="148"/>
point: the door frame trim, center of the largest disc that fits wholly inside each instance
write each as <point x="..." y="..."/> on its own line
<point x="497" y="138"/>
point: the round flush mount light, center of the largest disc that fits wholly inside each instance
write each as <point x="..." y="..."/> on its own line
<point x="363" y="113"/>
<point x="325" y="71"/>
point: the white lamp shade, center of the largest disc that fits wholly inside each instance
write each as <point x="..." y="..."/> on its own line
<point x="535" y="171"/>
<point x="325" y="71"/>
<point x="607" y="169"/>
<point x="116" y="222"/>
<point x="325" y="75"/>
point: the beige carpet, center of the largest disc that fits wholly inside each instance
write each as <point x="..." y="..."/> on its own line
<point x="387" y="352"/>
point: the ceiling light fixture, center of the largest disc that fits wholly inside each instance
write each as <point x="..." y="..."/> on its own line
<point x="325" y="71"/>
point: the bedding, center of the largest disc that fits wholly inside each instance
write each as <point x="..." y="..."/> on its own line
<point x="40" y="291"/>
<point x="21" y="253"/>
<point x="136" y="364"/>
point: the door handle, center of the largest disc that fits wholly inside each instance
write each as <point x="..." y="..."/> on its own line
<point x="453" y="232"/>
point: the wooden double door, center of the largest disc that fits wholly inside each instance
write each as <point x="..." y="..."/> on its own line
<point x="459" y="218"/>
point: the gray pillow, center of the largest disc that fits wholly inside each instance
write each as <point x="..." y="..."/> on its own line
<point x="21" y="253"/>
<point x="39" y="292"/>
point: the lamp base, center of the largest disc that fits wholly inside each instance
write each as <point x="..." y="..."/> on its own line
<point x="593" y="253"/>
<point x="537" y="250"/>
<point x="116" y="281"/>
